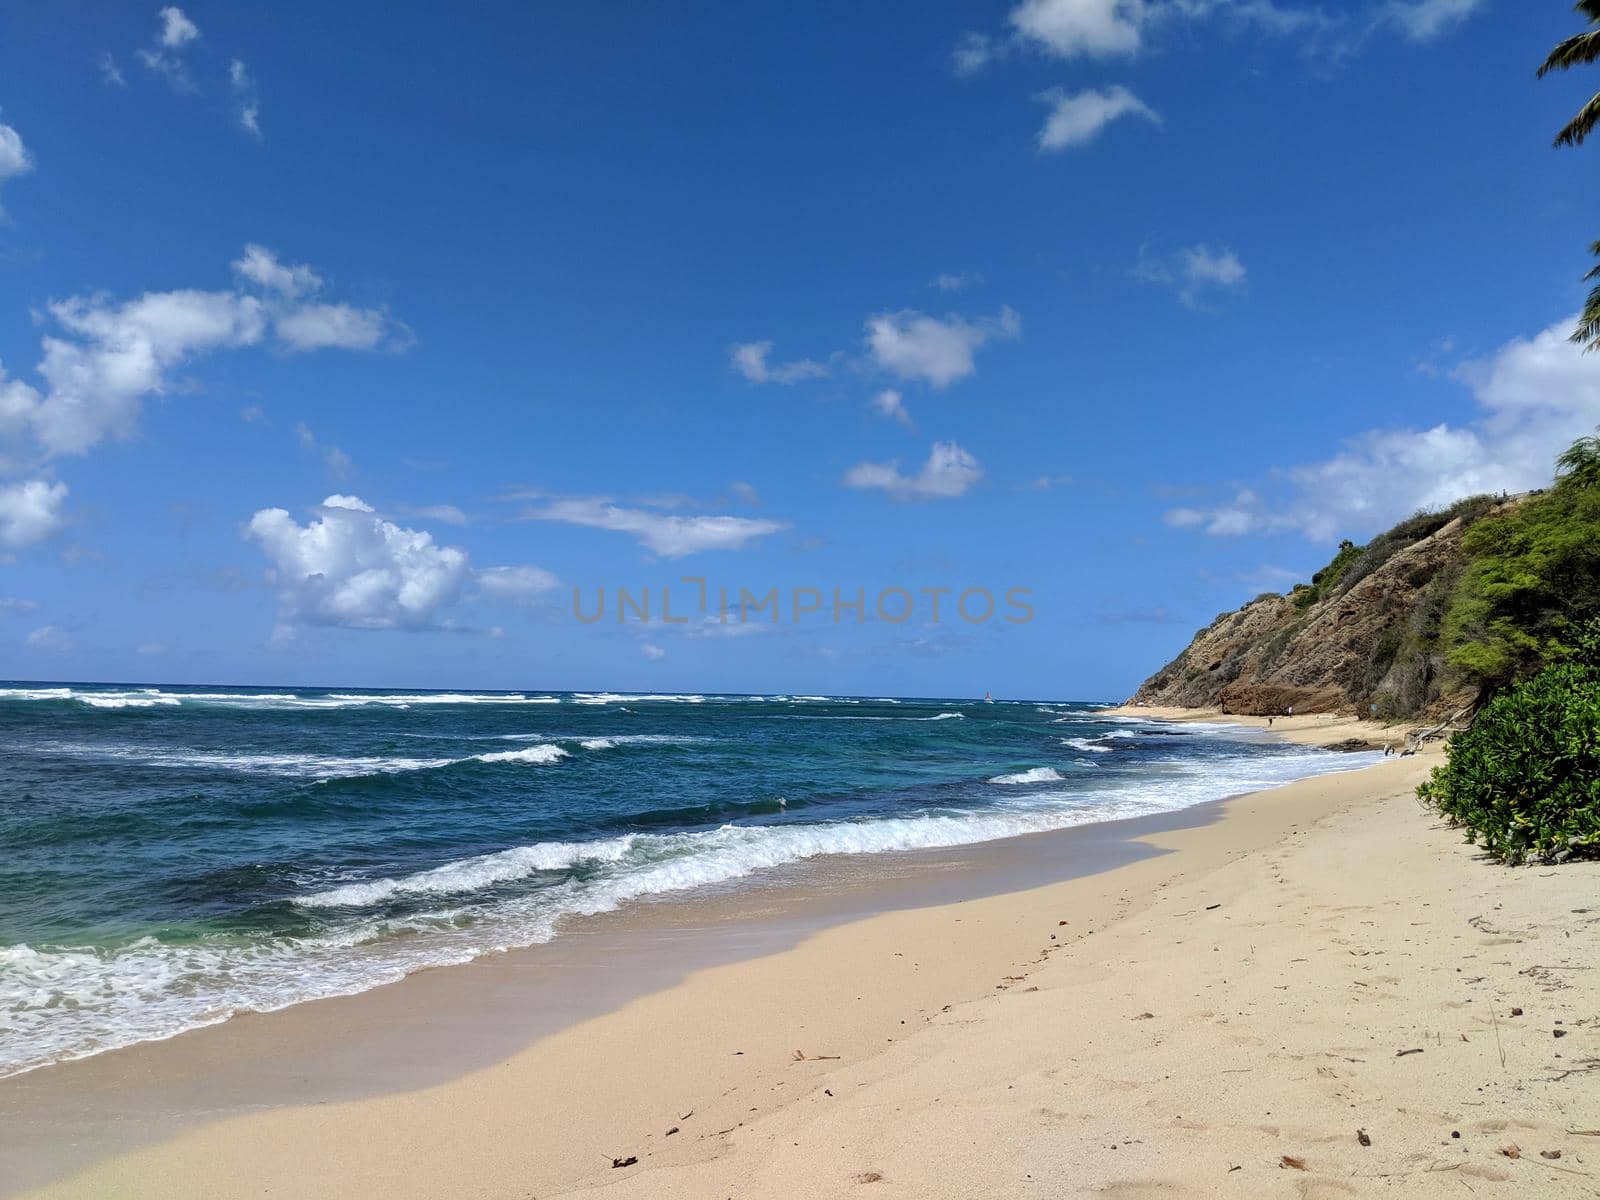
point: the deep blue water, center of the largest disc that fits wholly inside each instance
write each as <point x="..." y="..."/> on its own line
<point x="171" y="855"/>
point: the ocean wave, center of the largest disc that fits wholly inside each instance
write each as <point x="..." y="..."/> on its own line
<point x="1090" y="744"/>
<point x="471" y="874"/>
<point x="1035" y="775"/>
<point x="62" y="1001"/>
<point x="542" y="754"/>
<point x="314" y="766"/>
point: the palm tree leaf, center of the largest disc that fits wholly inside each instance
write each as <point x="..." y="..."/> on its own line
<point x="1589" y="8"/>
<point x="1580" y="126"/>
<point x="1577" y="50"/>
<point x="1587" y="334"/>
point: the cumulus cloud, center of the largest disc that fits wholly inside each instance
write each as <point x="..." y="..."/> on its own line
<point x="260" y="266"/>
<point x="956" y="281"/>
<point x="109" y="71"/>
<point x="1110" y="29"/>
<point x="888" y="404"/>
<point x="746" y="493"/>
<point x="14" y="157"/>
<point x="1425" y="20"/>
<point x="516" y="585"/>
<point x="105" y="357"/>
<point x="350" y="567"/>
<point x="1077" y="118"/>
<point x="246" y="99"/>
<point x="31" y="511"/>
<point x="332" y="327"/>
<point x="974" y="52"/>
<point x="665" y="534"/>
<point x="937" y="351"/>
<point x="750" y="360"/>
<point x="165" y="56"/>
<point x="1194" y="274"/>
<point x="1534" y="397"/>
<point x="1090" y="28"/>
<point x="948" y="473"/>
<point x="51" y="638"/>
<point x="653" y="652"/>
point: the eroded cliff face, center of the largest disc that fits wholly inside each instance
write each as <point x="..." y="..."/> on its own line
<point x="1366" y="638"/>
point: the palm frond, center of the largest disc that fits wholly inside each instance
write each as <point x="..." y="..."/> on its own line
<point x="1587" y="334"/>
<point x="1581" y="125"/>
<point x="1577" y="50"/>
<point x="1589" y="8"/>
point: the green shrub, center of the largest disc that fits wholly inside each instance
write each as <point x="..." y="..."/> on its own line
<point x="1525" y="779"/>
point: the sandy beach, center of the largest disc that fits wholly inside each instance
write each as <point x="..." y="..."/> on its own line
<point x="1322" y="992"/>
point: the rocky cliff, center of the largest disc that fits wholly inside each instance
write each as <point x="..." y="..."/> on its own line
<point x="1363" y="633"/>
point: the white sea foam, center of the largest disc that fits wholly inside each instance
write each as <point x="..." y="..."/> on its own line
<point x="1090" y="744"/>
<point x="308" y="766"/>
<point x="470" y="874"/>
<point x="619" y="698"/>
<point x="1036" y="775"/>
<point x="542" y="754"/>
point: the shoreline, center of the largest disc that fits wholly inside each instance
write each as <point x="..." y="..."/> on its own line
<point x="837" y="988"/>
<point x="440" y="1023"/>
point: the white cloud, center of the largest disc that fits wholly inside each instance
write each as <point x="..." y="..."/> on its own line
<point x="745" y="493"/>
<point x="110" y="72"/>
<point x="50" y="637"/>
<point x="1194" y="273"/>
<point x="1077" y="118"/>
<point x="30" y="512"/>
<point x="516" y="585"/>
<point x="448" y="513"/>
<point x="888" y="403"/>
<point x="112" y="355"/>
<point x="956" y="281"/>
<point x="165" y="57"/>
<point x="948" y="473"/>
<point x="1535" y="396"/>
<point x="14" y="157"/>
<point x="247" y="98"/>
<point x="653" y="652"/>
<point x="750" y="360"/>
<point x="332" y="327"/>
<point x="13" y="606"/>
<point x="350" y="567"/>
<point x="176" y="29"/>
<point x="664" y="534"/>
<point x="152" y="649"/>
<point x="915" y="346"/>
<point x="260" y="266"/>
<point x="1092" y="28"/>
<point x="1424" y="20"/>
<point x="974" y="52"/>
<point x="337" y="462"/>
<point x="1106" y="29"/>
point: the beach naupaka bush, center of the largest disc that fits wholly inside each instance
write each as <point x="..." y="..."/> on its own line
<point x="1525" y="778"/>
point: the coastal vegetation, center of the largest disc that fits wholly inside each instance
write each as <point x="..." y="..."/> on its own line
<point x="1435" y="616"/>
<point x="1524" y="779"/>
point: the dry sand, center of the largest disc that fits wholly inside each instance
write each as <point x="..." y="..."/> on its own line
<point x="1324" y="962"/>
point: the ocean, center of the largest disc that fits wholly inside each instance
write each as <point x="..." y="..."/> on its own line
<point x="170" y="856"/>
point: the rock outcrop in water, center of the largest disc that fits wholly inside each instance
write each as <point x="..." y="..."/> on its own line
<point x="1363" y="633"/>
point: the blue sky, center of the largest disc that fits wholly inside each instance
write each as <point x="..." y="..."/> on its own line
<point x="1140" y="306"/>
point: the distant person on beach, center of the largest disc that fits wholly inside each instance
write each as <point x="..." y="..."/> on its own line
<point x="1270" y="720"/>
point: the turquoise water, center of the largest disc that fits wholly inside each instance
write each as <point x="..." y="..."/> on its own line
<point x="173" y="855"/>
